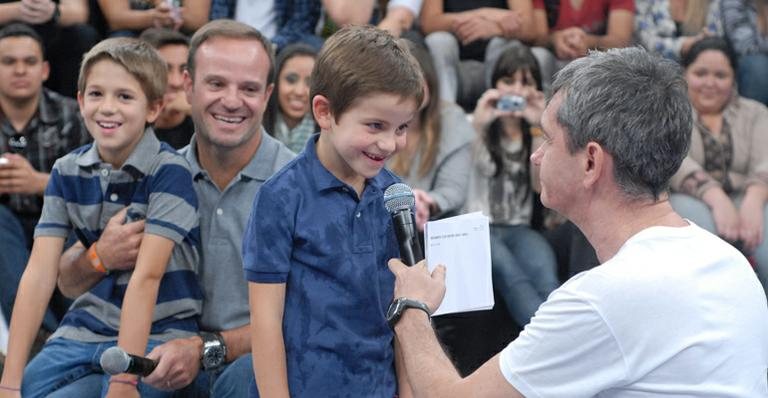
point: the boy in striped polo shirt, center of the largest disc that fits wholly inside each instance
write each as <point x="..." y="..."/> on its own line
<point x="120" y="95"/>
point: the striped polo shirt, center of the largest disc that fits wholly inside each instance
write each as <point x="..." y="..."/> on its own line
<point x="155" y="183"/>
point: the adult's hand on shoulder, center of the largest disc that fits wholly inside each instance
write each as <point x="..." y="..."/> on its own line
<point x="178" y="363"/>
<point x="417" y="283"/>
<point x="118" y="245"/>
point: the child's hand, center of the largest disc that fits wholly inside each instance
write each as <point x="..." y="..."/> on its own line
<point x="9" y="394"/>
<point x="122" y="390"/>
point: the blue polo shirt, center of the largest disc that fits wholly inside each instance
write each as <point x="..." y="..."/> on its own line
<point x="309" y="230"/>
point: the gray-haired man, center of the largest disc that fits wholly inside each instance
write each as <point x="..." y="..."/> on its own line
<point x="672" y="310"/>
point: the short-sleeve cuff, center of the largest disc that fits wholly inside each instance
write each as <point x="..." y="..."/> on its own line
<point x="265" y="277"/>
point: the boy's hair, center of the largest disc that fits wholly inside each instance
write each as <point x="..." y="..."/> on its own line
<point x="161" y="37"/>
<point x="137" y="57"/>
<point x="358" y="61"/>
<point x="233" y="30"/>
<point x="22" y="30"/>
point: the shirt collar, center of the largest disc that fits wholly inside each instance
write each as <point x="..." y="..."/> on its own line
<point x="259" y="168"/>
<point x="146" y="149"/>
<point x="46" y="110"/>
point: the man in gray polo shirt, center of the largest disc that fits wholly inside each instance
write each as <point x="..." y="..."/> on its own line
<point x="228" y="83"/>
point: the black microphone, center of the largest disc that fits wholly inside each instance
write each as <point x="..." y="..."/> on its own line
<point x="115" y="361"/>
<point x="399" y="200"/>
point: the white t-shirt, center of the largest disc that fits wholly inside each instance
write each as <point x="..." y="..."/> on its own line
<point x="259" y="14"/>
<point x="676" y="312"/>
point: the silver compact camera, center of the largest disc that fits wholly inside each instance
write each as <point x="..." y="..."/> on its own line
<point x="511" y="103"/>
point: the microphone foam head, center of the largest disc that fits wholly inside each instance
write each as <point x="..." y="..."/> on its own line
<point x="114" y="360"/>
<point x="398" y="197"/>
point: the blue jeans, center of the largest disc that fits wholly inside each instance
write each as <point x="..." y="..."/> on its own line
<point x="701" y="215"/>
<point x="753" y="77"/>
<point x="13" y="260"/>
<point x="524" y="269"/>
<point x="70" y="368"/>
<point x="231" y="381"/>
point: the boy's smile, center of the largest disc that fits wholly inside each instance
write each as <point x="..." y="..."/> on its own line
<point x="357" y="145"/>
<point x="115" y="110"/>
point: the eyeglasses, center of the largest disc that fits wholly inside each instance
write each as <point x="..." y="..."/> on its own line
<point x="17" y="143"/>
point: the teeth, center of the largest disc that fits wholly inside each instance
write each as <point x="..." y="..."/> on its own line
<point x="376" y="157"/>
<point x="108" y="125"/>
<point x="229" y="119"/>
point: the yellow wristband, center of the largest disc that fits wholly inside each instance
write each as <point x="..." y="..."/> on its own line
<point x="96" y="261"/>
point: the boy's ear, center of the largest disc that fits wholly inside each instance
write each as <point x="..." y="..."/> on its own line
<point x="80" y="102"/>
<point x="321" y="109"/>
<point x="153" y="110"/>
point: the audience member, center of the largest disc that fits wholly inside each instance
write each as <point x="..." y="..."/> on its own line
<point x="459" y="30"/>
<point x="723" y="182"/>
<point x="398" y="17"/>
<point x="228" y="82"/>
<point x="673" y="310"/>
<point x="746" y="27"/>
<point x="130" y="17"/>
<point x="576" y="26"/>
<point x="37" y="126"/>
<point x="64" y="27"/>
<point x="437" y="157"/>
<point x="282" y="21"/>
<point x="174" y="125"/>
<point x="120" y="91"/>
<point x="288" y="116"/>
<point x="669" y="28"/>
<point x="502" y="185"/>
<point x="318" y="239"/>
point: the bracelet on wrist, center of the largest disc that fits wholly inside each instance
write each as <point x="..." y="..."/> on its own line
<point x="95" y="260"/>
<point x="132" y="382"/>
<point x="6" y="388"/>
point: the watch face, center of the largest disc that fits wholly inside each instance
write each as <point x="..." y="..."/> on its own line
<point x="213" y="356"/>
<point x="395" y="308"/>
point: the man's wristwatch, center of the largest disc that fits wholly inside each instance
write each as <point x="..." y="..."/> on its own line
<point x="214" y="351"/>
<point x="399" y="305"/>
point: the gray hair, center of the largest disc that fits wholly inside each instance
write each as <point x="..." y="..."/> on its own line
<point x="635" y="105"/>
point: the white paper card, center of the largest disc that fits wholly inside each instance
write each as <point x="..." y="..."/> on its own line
<point x="463" y="245"/>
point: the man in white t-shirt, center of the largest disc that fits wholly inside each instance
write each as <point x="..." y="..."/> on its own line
<point x="672" y="310"/>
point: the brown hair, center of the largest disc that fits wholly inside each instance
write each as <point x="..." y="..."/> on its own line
<point x="136" y="56"/>
<point x="695" y="16"/>
<point x="358" y="61"/>
<point x="429" y="117"/>
<point x="233" y="30"/>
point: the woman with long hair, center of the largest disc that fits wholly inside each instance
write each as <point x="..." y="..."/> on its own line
<point x="502" y="183"/>
<point x="288" y="116"/>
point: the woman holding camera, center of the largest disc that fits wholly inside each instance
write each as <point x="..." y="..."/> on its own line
<point x="502" y="182"/>
<point x="722" y="185"/>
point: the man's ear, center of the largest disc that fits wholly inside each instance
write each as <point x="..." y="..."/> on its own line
<point x="595" y="161"/>
<point x="46" y="70"/>
<point x="321" y="109"/>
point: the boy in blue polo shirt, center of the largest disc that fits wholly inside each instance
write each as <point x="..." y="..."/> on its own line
<point x="316" y="247"/>
<point x="120" y="94"/>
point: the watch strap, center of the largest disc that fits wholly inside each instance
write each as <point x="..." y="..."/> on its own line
<point x="401" y="304"/>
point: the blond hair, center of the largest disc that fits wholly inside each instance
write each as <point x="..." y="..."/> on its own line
<point x="136" y="56"/>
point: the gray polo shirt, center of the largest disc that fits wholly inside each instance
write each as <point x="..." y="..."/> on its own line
<point x="223" y="216"/>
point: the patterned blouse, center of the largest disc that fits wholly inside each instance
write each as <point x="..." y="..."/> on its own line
<point x="657" y="31"/>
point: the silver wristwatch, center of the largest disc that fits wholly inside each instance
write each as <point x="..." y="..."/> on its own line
<point x="214" y="350"/>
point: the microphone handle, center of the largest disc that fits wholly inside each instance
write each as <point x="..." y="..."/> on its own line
<point x="407" y="237"/>
<point x="141" y="366"/>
